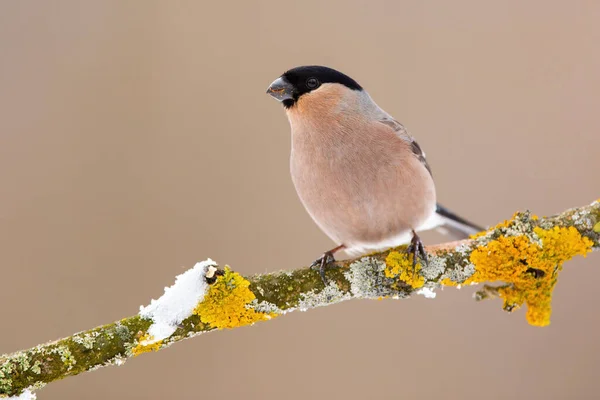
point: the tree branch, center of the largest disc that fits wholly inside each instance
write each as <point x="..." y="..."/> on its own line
<point x="524" y="253"/>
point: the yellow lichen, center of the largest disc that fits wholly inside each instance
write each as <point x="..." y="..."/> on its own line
<point x="399" y="265"/>
<point x="145" y="345"/>
<point x="448" y="282"/>
<point x="226" y="305"/>
<point x="503" y="259"/>
<point x="597" y="227"/>
<point x="561" y="244"/>
<point x="530" y="269"/>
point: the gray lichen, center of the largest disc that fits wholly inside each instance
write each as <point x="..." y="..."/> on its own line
<point x="582" y="219"/>
<point x="367" y="278"/>
<point x="331" y="294"/>
<point x="460" y="273"/>
<point x="65" y="356"/>
<point x="265" y="307"/>
<point x="434" y="268"/>
<point x="6" y="370"/>
<point x="520" y="225"/>
<point x="18" y="363"/>
<point x="462" y="268"/>
<point x="35" y="368"/>
<point x="87" y="340"/>
<point x="122" y="331"/>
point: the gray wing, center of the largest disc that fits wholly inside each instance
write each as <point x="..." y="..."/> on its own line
<point x="404" y="135"/>
<point x="452" y="224"/>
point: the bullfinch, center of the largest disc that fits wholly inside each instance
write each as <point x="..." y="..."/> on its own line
<point x="361" y="176"/>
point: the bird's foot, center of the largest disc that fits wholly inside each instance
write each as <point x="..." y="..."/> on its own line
<point x="325" y="261"/>
<point x="417" y="250"/>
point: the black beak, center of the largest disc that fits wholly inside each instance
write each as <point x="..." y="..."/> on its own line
<point x="281" y="90"/>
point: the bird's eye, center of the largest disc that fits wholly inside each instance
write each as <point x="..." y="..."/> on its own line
<point x="312" y="83"/>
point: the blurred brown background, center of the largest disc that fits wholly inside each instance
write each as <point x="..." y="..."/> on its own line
<point x="136" y="138"/>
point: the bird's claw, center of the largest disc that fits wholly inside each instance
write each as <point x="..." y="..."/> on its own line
<point x="417" y="250"/>
<point x="322" y="263"/>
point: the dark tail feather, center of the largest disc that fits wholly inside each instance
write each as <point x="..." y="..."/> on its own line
<point x="454" y="225"/>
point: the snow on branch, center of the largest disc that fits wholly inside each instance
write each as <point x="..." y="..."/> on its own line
<point x="524" y="254"/>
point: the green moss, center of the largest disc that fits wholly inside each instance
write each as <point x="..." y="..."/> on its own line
<point x="47" y="363"/>
<point x="284" y="289"/>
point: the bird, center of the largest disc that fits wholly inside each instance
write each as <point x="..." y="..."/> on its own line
<point x="359" y="173"/>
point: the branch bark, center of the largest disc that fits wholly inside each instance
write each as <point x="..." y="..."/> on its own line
<point x="524" y="253"/>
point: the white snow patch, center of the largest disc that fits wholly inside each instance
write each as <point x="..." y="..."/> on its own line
<point x="178" y="302"/>
<point x="25" y="395"/>
<point x="428" y="293"/>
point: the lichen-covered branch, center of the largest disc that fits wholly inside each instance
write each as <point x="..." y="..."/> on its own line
<point x="524" y="254"/>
